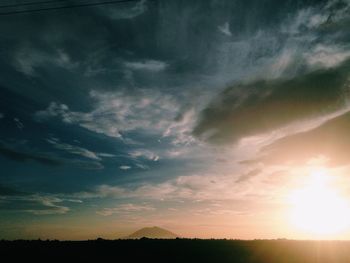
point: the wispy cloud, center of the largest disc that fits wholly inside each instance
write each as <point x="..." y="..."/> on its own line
<point x="107" y="155"/>
<point x="181" y="128"/>
<point x="150" y="65"/>
<point x="125" y="209"/>
<point x="49" y="202"/>
<point x="124" y="167"/>
<point x="127" y="12"/>
<point x="327" y="56"/>
<point x="53" y="110"/>
<point x="73" y="149"/>
<point x="143" y="153"/>
<point x="225" y="29"/>
<point x="22" y="156"/>
<point x="28" y="59"/>
<point x="118" y="112"/>
<point x="248" y="175"/>
<point x="18" y="123"/>
<point x="193" y="188"/>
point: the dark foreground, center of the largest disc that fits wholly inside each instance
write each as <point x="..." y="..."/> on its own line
<point x="179" y="250"/>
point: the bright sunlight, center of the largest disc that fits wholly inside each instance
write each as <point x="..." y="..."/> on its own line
<point x="318" y="208"/>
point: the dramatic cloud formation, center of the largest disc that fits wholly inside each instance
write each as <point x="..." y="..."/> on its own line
<point x="199" y="116"/>
<point x="263" y="106"/>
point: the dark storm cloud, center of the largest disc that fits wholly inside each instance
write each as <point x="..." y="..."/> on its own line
<point x="330" y="141"/>
<point x="263" y="106"/>
<point x="23" y="156"/>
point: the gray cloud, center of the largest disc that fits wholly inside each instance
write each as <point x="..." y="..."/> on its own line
<point x="284" y="74"/>
<point x="329" y="141"/>
<point x="249" y="109"/>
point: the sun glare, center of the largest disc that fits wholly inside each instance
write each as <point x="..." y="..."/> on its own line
<point x="318" y="208"/>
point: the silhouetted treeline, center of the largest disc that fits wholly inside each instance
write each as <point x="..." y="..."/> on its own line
<point x="179" y="250"/>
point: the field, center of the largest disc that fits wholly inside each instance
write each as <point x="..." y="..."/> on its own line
<point x="180" y="250"/>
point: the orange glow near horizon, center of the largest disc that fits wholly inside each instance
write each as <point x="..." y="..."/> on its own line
<point x="318" y="208"/>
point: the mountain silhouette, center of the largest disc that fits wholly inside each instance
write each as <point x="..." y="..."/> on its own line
<point x="152" y="232"/>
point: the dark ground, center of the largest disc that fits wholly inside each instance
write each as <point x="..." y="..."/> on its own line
<point x="179" y="250"/>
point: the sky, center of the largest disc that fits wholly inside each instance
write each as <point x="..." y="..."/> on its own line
<point x="200" y="117"/>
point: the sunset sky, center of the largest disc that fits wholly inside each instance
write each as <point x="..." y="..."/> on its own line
<point x="212" y="119"/>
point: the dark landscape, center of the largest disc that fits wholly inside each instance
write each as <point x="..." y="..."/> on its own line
<point x="180" y="250"/>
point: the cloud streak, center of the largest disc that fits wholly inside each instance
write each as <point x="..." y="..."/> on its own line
<point x="125" y="209"/>
<point x="74" y="149"/>
<point x="20" y="156"/>
<point x="148" y="65"/>
<point x="44" y="204"/>
<point x="124" y="167"/>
